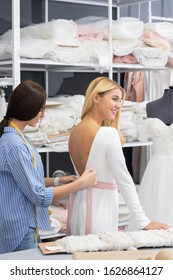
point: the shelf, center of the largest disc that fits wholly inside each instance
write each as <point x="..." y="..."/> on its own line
<point x="50" y="65"/>
<point x="47" y="64"/>
<point x="126" y="145"/>
<point x="115" y="3"/>
<point x="162" y="18"/>
<point x="137" y="144"/>
<point x="121" y="67"/>
<point x="17" y="64"/>
<point x="51" y="150"/>
<point x="24" y="64"/>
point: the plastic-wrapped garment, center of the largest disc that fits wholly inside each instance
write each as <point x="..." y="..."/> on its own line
<point x="59" y="28"/>
<point x="86" y="32"/>
<point x="124" y="28"/>
<point x="90" y="28"/>
<point x="38" y="40"/>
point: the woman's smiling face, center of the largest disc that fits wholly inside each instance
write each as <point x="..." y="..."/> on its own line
<point x="109" y="103"/>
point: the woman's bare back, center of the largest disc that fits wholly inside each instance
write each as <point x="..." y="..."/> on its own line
<point x="80" y="142"/>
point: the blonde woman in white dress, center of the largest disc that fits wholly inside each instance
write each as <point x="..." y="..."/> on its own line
<point x="96" y="143"/>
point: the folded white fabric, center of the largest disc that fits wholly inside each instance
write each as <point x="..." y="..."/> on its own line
<point x="57" y="120"/>
<point x="164" y="29"/>
<point x="150" y="57"/>
<point x="38" y="138"/>
<point x="33" y="47"/>
<point x="124" y="47"/>
<point x="158" y="43"/>
<point x="61" y="114"/>
<point x="116" y="241"/>
<point x="3" y="50"/>
<point x="92" y="52"/>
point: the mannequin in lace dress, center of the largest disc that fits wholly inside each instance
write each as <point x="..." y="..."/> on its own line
<point x="156" y="191"/>
<point x="95" y="142"/>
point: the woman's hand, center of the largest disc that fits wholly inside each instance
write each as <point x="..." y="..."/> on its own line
<point x="156" y="225"/>
<point x="67" y="179"/>
<point x="89" y="178"/>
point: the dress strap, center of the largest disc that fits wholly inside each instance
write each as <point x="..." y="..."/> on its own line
<point x="70" y="206"/>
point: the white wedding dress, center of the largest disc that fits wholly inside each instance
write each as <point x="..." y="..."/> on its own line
<point x="96" y="209"/>
<point x="156" y="188"/>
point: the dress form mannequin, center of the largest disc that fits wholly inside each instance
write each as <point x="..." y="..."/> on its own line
<point x="162" y="108"/>
<point x="155" y="190"/>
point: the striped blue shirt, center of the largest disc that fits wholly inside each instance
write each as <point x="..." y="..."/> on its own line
<point x="24" y="199"/>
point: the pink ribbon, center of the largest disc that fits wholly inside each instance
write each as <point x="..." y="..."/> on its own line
<point x="99" y="185"/>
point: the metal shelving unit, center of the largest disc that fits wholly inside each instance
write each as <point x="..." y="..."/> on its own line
<point x="113" y="3"/>
<point x="17" y="64"/>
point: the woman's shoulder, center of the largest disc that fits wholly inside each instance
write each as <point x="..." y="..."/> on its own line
<point x="107" y="134"/>
<point x="12" y="139"/>
<point x="75" y="129"/>
<point x="83" y="129"/>
<point x="108" y="130"/>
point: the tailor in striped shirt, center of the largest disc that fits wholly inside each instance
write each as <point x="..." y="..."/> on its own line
<point x="24" y="199"/>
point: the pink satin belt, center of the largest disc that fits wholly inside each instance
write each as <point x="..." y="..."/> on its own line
<point x="99" y="185"/>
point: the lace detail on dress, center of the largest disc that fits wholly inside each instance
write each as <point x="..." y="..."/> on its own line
<point x="155" y="190"/>
<point x="161" y="134"/>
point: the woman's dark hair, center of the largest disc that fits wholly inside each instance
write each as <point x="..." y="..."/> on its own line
<point x="24" y="103"/>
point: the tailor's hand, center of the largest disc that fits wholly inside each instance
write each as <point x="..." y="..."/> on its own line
<point x="67" y="179"/>
<point x="156" y="225"/>
<point x="89" y="178"/>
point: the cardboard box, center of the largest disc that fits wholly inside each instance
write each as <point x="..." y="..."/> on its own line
<point x="103" y="255"/>
<point x="116" y="255"/>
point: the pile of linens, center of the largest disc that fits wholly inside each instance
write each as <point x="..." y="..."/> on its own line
<point x="86" y="41"/>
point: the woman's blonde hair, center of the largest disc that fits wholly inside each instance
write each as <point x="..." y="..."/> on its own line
<point x="102" y="85"/>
